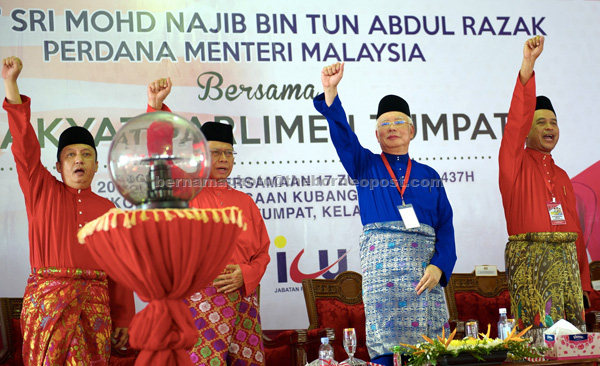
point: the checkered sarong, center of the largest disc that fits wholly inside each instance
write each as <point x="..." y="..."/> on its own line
<point x="229" y="329"/>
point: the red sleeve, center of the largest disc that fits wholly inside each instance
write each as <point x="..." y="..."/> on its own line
<point x="253" y="271"/>
<point x="26" y="151"/>
<point x="164" y="108"/>
<point x="122" y="306"/>
<point x="518" y="125"/>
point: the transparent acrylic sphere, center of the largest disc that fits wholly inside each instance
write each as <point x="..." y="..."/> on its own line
<point x="159" y="160"/>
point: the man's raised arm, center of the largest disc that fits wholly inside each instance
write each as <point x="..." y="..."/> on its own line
<point x="11" y="68"/>
<point x="531" y="51"/>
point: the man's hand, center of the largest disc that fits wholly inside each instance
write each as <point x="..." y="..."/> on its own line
<point x="330" y="78"/>
<point x="158" y="90"/>
<point x="120" y="338"/>
<point x="430" y="279"/>
<point x="531" y="51"/>
<point x="11" y="68"/>
<point x="231" y="280"/>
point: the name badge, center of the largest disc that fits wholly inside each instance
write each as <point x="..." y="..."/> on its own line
<point x="557" y="216"/>
<point x="409" y="217"/>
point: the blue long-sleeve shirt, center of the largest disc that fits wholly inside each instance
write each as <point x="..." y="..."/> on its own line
<point x="378" y="197"/>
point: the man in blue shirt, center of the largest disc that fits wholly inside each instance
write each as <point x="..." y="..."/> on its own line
<point x="407" y="245"/>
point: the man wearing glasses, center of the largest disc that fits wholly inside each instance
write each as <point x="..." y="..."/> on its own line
<point x="407" y="245"/>
<point x="226" y="313"/>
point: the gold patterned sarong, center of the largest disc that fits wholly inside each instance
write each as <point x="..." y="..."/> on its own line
<point x="66" y="318"/>
<point x="543" y="281"/>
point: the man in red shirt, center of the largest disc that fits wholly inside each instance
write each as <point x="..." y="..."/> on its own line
<point x="67" y="315"/>
<point x="226" y="313"/>
<point x="546" y="261"/>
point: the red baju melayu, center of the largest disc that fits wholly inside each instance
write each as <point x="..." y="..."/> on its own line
<point x="229" y="324"/>
<point x="543" y="260"/>
<point x="51" y="310"/>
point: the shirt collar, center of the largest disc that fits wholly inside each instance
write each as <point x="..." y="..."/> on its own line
<point x="397" y="158"/>
<point x="539" y="156"/>
<point x="216" y="184"/>
<point x="76" y="191"/>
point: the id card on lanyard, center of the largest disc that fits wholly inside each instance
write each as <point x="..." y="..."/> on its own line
<point x="557" y="216"/>
<point x="407" y="212"/>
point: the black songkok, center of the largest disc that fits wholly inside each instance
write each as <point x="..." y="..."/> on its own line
<point x="544" y="103"/>
<point x="75" y="135"/>
<point x="215" y="131"/>
<point x="392" y="103"/>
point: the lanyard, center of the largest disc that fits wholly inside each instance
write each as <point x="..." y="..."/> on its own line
<point x="404" y="184"/>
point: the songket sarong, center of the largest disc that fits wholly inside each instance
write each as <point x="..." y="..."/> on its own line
<point x="393" y="260"/>
<point x="229" y="329"/>
<point x="543" y="281"/>
<point x="66" y="318"/>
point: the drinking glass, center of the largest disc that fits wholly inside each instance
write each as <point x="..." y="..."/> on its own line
<point x="350" y="347"/>
<point x="472" y="329"/>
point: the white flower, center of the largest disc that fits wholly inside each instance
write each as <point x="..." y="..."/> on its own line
<point x="196" y="297"/>
<point x="205" y="306"/>
<point x="214" y="317"/>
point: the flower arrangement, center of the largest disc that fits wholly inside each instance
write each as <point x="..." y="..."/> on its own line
<point x="428" y="352"/>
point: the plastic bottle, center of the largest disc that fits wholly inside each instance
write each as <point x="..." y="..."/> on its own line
<point x="502" y="324"/>
<point x="326" y="353"/>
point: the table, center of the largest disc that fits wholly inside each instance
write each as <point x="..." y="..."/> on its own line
<point x="576" y="362"/>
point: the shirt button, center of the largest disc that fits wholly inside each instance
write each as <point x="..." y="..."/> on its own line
<point x="80" y="225"/>
<point x="80" y="212"/>
<point x="78" y="191"/>
<point x="79" y="200"/>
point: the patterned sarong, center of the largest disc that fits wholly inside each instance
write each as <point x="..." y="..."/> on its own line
<point x="229" y="329"/>
<point x="543" y="281"/>
<point x="66" y="318"/>
<point x="393" y="260"/>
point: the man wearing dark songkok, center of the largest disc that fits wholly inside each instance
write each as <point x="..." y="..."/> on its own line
<point x="407" y="248"/>
<point x="68" y="302"/>
<point x="546" y="261"/>
<point x="226" y="313"/>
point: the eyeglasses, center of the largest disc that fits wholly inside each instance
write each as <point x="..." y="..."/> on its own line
<point x="397" y="122"/>
<point x="217" y="153"/>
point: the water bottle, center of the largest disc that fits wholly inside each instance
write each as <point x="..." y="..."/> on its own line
<point x="325" y="353"/>
<point x="502" y="324"/>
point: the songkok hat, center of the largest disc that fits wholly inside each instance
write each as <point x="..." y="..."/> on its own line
<point x="392" y="103"/>
<point x="75" y="135"/>
<point x="544" y="103"/>
<point x="215" y="131"/>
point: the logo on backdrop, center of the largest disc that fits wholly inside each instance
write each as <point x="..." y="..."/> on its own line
<point x="296" y="275"/>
